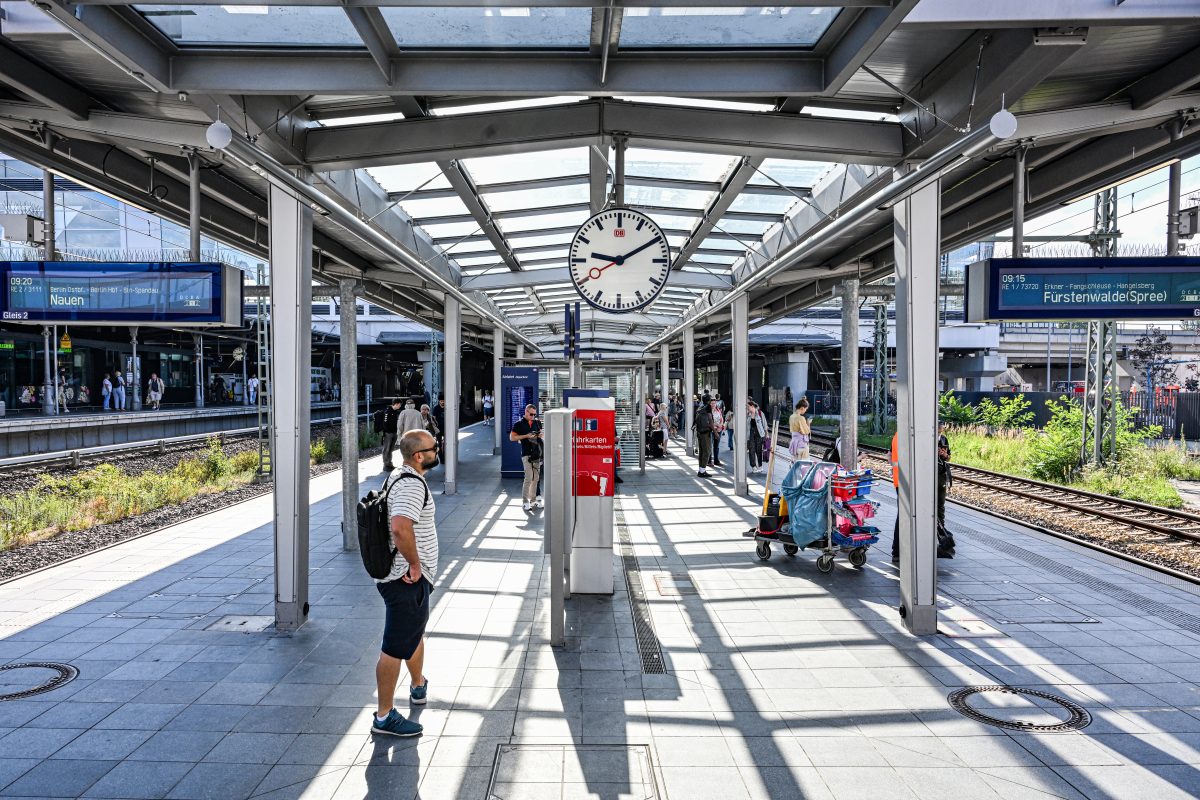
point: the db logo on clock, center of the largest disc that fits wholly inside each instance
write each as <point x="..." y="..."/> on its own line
<point x="619" y="233"/>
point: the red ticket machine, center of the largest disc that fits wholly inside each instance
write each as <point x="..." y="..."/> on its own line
<point x="594" y="446"/>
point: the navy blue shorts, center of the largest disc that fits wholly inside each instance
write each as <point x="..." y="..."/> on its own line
<point x="407" y="607"/>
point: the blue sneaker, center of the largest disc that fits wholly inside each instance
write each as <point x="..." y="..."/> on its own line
<point x="395" y="725"/>
<point x="419" y="695"/>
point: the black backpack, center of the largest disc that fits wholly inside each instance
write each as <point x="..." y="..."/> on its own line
<point x="377" y="420"/>
<point x="375" y="529"/>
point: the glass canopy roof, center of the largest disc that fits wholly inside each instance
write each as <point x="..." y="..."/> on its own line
<point x="741" y="27"/>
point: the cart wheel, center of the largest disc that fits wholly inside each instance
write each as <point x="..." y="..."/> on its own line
<point x="825" y="563"/>
<point x="858" y="556"/>
<point x="791" y="549"/>
<point x="763" y="550"/>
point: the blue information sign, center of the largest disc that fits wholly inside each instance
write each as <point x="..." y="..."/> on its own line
<point x="1165" y="288"/>
<point x="518" y="388"/>
<point x="129" y="293"/>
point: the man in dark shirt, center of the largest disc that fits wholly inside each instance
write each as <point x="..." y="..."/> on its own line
<point x="391" y="415"/>
<point x="703" y="424"/>
<point x="439" y="416"/>
<point x="528" y="431"/>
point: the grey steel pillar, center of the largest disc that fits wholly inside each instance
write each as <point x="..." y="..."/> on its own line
<point x="1174" y="179"/>
<point x="291" y="231"/>
<point x="740" y="339"/>
<point x="452" y="382"/>
<point x="665" y="368"/>
<point x="348" y="351"/>
<point x="879" y="382"/>
<point x="497" y="366"/>
<point x="198" y="342"/>
<point x="849" y="447"/>
<point x="1018" y="234"/>
<point x="639" y="414"/>
<point x="689" y="386"/>
<point x="520" y="350"/>
<point x="245" y="390"/>
<point x="135" y="388"/>
<point x="49" y="252"/>
<point x="49" y="402"/>
<point x="916" y="241"/>
<point x="193" y="160"/>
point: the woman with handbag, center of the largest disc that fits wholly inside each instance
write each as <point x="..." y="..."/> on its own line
<point x="756" y="431"/>
<point x="801" y="431"/>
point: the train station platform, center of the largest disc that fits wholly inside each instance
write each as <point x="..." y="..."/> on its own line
<point x="30" y="434"/>
<point x="777" y="681"/>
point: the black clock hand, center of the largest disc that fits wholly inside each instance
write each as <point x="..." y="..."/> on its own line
<point x="602" y="257"/>
<point x="634" y="252"/>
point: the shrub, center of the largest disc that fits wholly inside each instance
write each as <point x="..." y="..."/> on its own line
<point x="318" y="450"/>
<point x="216" y="463"/>
<point x="368" y="438"/>
<point x="1055" y="455"/>
<point x="953" y="411"/>
<point x="244" y="462"/>
<point x="1010" y="413"/>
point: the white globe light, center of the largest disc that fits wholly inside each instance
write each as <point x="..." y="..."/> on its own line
<point x="1003" y="124"/>
<point x="218" y="135"/>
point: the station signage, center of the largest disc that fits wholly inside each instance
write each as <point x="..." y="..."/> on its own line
<point x="120" y="293"/>
<point x="1052" y="289"/>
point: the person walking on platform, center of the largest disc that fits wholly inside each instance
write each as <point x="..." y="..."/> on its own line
<point x="664" y="420"/>
<point x="391" y="416"/>
<point x="703" y="426"/>
<point x="410" y="419"/>
<point x="528" y="431"/>
<point x="756" y="432"/>
<point x="119" y="391"/>
<point x="106" y="390"/>
<point x="430" y="423"/>
<point x="406" y="589"/>
<point x="439" y="416"/>
<point x="252" y="390"/>
<point x="488" y="405"/>
<point x="718" y="418"/>
<point x="154" y="390"/>
<point x="945" y="540"/>
<point x="801" y="431"/>
<point x="894" y="458"/>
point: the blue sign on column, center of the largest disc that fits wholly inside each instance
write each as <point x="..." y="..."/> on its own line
<point x="518" y="388"/>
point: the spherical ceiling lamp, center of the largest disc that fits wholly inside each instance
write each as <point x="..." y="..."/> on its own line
<point x="218" y="135"/>
<point x="1003" y="124"/>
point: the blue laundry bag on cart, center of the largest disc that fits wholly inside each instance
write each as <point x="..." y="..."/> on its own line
<point x="808" y="508"/>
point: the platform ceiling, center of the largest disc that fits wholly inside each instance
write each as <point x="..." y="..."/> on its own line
<point x="478" y="136"/>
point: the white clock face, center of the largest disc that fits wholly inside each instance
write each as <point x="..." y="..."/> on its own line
<point x="620" y="260"/>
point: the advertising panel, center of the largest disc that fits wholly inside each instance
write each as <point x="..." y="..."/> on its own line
<point x="518" y="388"/>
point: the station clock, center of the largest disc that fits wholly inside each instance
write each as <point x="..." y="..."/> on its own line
<point x="620" y="260"/>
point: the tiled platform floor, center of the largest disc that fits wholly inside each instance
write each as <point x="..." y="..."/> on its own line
<point x="782" y="683"/>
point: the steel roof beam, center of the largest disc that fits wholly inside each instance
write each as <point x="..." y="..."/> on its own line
<point x="121" y="36"/>
<point x="569" y="229"/>
<point x="678" y="279"/>
<point x="726" y="132"/>
<point x="1171" y="79"/>
<point x="975" y="15"/>
<point x="733" y="184"/>
<point x="869" y="30"/>
<point x="47" y="88"/>
<point x="376" y="35"/>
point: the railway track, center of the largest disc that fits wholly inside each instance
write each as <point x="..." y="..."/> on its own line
<point x="1159" y="538"/>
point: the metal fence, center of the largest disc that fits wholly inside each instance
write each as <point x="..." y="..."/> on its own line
<point x="1177" y="414"/>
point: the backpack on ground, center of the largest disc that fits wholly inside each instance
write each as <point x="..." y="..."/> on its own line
<point x="375" y="529"/>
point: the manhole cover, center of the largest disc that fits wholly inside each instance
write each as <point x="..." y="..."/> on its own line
<point x="1019" y="709"/>
<point x="572" y="770"/>
<point x="237" y="623"/>
<point x="62" y="674"/>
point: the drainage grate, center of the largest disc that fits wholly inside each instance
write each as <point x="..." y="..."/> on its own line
<point x="572" y="770"/>
<point x="66" y="674"/>
<point x="1077" y="718"/>
<point x="649" y="648"/>
<point x="1181" y="619"/>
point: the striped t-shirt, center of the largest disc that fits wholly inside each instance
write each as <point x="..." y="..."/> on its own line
<point x="408" y="500"/>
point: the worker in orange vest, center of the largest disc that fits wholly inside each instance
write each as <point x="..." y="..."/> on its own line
<point x="895" y="459"/>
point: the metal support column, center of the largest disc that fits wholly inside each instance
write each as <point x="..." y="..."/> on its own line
<point x="135" y="371"/>
<point x="665" y="370"/>
<point x="451" y="381"/>
<point x="1100" y="377"/>
<point x="639" y="415"/>
<point x="739" y="335"/>
<point x="49" y="250"/>
<point x="916" y="241"/>
<point x="689" y="387"/>
<point x="1019" y="173"/>
<point x="520" y="350"/>
<point x="291" y="230"/>
<point x="849" y="428"/>
<point x="49" y="403"/>
<point x="497" y="366"/>
<point x="193" y="160"/>
<point x="879" y="381"/>
<point x="198" y="344"/>
<point x="1174" y="179"/>
<point x="348" y="352"/>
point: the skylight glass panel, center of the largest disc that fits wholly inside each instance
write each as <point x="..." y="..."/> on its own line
<point x="508" y="28"/>
<point x="475" y="261"/>
<point x="270" y="26"/>
<point x="667" y="198"/>
<point x="763" y="203"/>
<point x="679" y="222"/>
<point x="790" y="173"/>
<point x="699" y="102"/>
<point x="364" y="119"/>
<point x="675" y="164"/>
<point x="503" y="105"/>
<point x="741" y="27"/>
<point x="451" y="230"/>
<point x="536" y="223"/>
<point x="433" y="207"/>
<point x="739" y="226"/>
<point x="535" y="198"/>
<point x="407" y="177"/>
<point x="528" y="166"/>
<point x="537" y="240"/>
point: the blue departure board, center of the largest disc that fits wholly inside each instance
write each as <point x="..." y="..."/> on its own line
<point x="120" y="293"/>
<point x="518" y="388"/>
<point x="1130" y="288"/>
